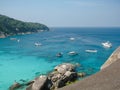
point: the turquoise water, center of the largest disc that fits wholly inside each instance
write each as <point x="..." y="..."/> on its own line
<point x="23" y="60"/>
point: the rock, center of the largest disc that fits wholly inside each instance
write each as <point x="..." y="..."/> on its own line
<point x="81" y="74"/>
<point x="71" y="75"/>
<point x="68" y="76"/>
<point x="30" y="82"/>
<point x="22" y="80"/>
<point x="64" y="67"/>
<point x="62" y="74"/>
<point x="58" y="78"/>
<point x="29" y="87"/>
<point x="54" y="78"/>
<point x="68" y="73"/>
<point x="59" y="83"/>
<point x="15" y="86"/>
<point x="41" y="83"/>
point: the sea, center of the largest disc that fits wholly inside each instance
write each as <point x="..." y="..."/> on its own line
<point x="23" y="61"/>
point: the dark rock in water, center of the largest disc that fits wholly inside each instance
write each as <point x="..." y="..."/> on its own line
<point x="30" y="82"/>
<point x="22" y="80"/>
<point x="37" y="73"/>
<point x="15" y="86"/>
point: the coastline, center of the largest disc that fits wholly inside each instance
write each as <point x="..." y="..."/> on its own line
<point x="23" y="33"/>
<point x="106" y="79"/>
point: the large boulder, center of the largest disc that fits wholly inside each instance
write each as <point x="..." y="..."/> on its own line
<point x="70" y="75"/>
<point x="64" y="67"/>
<point x="40" y="83"/>
<point x="62" y="74"/>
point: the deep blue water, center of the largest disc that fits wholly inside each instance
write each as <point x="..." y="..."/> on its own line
<point x="23" y="60"/>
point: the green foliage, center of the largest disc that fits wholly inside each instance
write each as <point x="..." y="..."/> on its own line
<point x="10" y="26"/>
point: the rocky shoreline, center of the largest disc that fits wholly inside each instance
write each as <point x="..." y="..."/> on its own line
<point x="2" y="35"/>
<point x="62" y="75"/>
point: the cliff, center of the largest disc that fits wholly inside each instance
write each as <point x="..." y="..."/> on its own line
<point x="10" y="26"/>
<point x="114" y="57"/>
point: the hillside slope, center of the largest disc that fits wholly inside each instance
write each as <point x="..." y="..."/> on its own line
<point x="10" y="26"/>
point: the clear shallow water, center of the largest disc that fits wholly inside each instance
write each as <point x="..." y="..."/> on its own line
<point x="25" y="61"/>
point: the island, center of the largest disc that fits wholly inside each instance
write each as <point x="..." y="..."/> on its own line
<point x="10" y="26"/>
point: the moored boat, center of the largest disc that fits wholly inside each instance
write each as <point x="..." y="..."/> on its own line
<point x="59" y="54"/>
<point x="72" y="39"/>
<point x="38" y="44"/>
<point x="91" y="51"/>
<point x="107" y="44"/>
<point x="72" y="53"/>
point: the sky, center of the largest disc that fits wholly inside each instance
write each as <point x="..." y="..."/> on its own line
<point x="64" y="13"/>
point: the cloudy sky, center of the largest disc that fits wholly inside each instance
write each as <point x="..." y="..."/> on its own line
<point x="64" y="13"/>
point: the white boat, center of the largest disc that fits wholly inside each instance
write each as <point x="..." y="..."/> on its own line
<point x="13" y="38"/>
<point x="18" y="40"/>
<point x="72" y="38"/>
<point x="59" y="54"/>
<point x="38" y="44"/>
<point x="107" y="44"/>
<point x="91" y="51"/>
<point x="72" y="53"/>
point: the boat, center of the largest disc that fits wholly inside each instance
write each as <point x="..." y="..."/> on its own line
<point x="13" y="38"/>
<point x="72" y="38"/>
<point x="18" y="40"/>
<point x="72" y="53"/>
<point x="59" y="55"/>
<point x="38" y="44"/>
<point x="91" y="51"/>
<point x="107" y="44"/>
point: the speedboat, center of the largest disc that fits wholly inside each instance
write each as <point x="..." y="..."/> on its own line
<point x="91" y="51"/>
<point x="72" y="53"/>
<point x="38" y="44"/>
<point x="59" y="55"/>
<point x="72" y="38"/>
<point x="107" y="44"/>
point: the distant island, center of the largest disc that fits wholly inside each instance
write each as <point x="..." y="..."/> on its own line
<point x="10" y="26"/>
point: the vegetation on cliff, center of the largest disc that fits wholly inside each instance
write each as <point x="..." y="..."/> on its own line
<point x="10" y="26"/>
